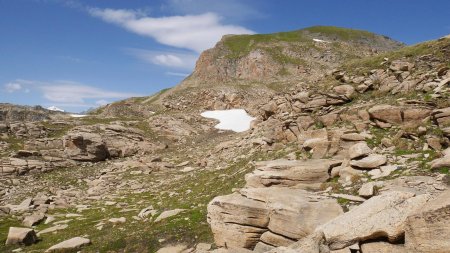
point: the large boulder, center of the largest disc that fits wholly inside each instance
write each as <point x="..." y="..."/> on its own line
<point x="280" y="214"/>
<point x="442" y="116"/>
<point x="25" y="236"/>
<point x="71" y="245"/>
<point x="236" y="221"/>
<point x="380" y="217"/>
<point x="428" y="230"/>
<point x="287" y="173"/>
<point x="370" y="162"/>
<point x="382" y="247"/>
<point x="386" y="113"/>
<point x="84" y="146"/>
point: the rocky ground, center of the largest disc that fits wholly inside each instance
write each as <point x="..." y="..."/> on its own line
<point x="353" y="159"/>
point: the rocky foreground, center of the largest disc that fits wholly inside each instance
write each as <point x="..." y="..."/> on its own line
<point x="349" y="156"/>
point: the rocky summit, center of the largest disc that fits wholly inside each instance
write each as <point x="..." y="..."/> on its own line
<point x="348" y="151"/>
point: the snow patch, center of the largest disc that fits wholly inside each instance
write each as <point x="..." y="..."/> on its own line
<point x="236" y="120"/>
<point x="323" y="41"/>
<point x="55" y="109"/>
<point x="78" y="115"/>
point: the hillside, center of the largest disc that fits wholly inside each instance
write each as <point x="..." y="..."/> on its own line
<point x="348" y="152"/>
<point x="242" y="70"/>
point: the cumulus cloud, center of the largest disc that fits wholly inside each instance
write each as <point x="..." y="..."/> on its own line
<point x="12" y="87"/>
<point x="177" y="74"/>
<point x="70" y="93"/>
<point x="193" y="32"/>
<point x="169" y="59"/>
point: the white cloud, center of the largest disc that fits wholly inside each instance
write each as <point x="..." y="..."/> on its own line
<point x="68" y="93"/>
<point x="194" y="32"/>
<point x="177" y="74"/>
<point x="169" y="59"/>
<point x="12" y="87"/>
<point x="101" y="102"/>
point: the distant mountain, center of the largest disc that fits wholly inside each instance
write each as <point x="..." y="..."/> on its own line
<point x="56" y="109"/>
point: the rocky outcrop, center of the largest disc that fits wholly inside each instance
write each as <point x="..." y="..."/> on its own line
<point x="24" y="236"/>
<point x="291" y="173"/>
<point x="382" y="216"/>
<point x="428" y="229"/>
<point x="273" y="216"/>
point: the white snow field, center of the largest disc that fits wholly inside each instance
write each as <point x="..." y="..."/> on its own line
<point x="236" y="120"/>
<point x="78" y="115"/>
<point x="323" y="41"/>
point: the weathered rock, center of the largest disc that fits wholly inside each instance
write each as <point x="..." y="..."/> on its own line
<point x="442" y="116"/>
<point x="239" y="221"/>
<point x="116" y="221"/>
<point x="73" y="244"/>
<point x="83" y="146"/>
<point x="53" y="229"/>
<point x="168" y="214"/>
<point x="345" y="90"/>
<point x="428" y="230"/>
<point x="359" y="150"/>
<point x="399" y="65"/>
<point x="284" y="173"/>
<point x="33" y="219"/>
<point x="236" y="221"/>
<point x="443" y="162"/>
<point x="173" y="249"/>
<point x="386" y="113"/>
<point x="382" y="247"/>
<point x="25" y="236"/>
<point x="382" y="216"/>
<point x="370" y="162"/>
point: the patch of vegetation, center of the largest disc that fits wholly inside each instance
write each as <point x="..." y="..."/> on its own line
<point x="15" y="143"/>
<point x="156" y="96"/>
<point x="241" y="45"/>
<point x="341" y="33"/>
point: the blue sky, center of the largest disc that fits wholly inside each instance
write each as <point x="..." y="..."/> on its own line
<point x="79" y="54"/>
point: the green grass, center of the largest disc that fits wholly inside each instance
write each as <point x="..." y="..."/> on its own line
<point x="342" y="33"/>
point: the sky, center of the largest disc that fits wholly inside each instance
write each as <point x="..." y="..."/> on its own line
<point x="79" y="54"/>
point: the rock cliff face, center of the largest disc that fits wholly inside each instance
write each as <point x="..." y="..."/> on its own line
<point x="287" y="56"/>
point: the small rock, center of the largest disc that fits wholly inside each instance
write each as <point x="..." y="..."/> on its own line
<point x="70" y="245"/>
<point x="25" y="236"/>
<point x="33" y="219"/>
<point x="370" y="162"/>
<point x="117" y="220"/>
<point x="168" y="214"/>
<point x="359" y="150"/>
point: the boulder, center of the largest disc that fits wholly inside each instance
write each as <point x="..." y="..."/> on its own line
<point x="428" y="230"/>
<point x="386" y="113"/>
<point x="70" y="245"/>
<point x="237" y="221"/>
<point x="399" y="65"/>
<point x="274" y="216"/>
<point x="346" y="90"/>
<point x="382" y="216"/>
<point x="85" y="146"/>
<point x="285" y="173"/>
<point x="173" y="249"/>
<point x="370" y="162"/>
<point x="168" y="214"/>
<point x="442" y="116"/>
<point x="382" y="247"/>
<point x="443" y="162"/>
<point x="33" y="219"/>
<point x="359" y="150"/>
<point x="25" y="236"/>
